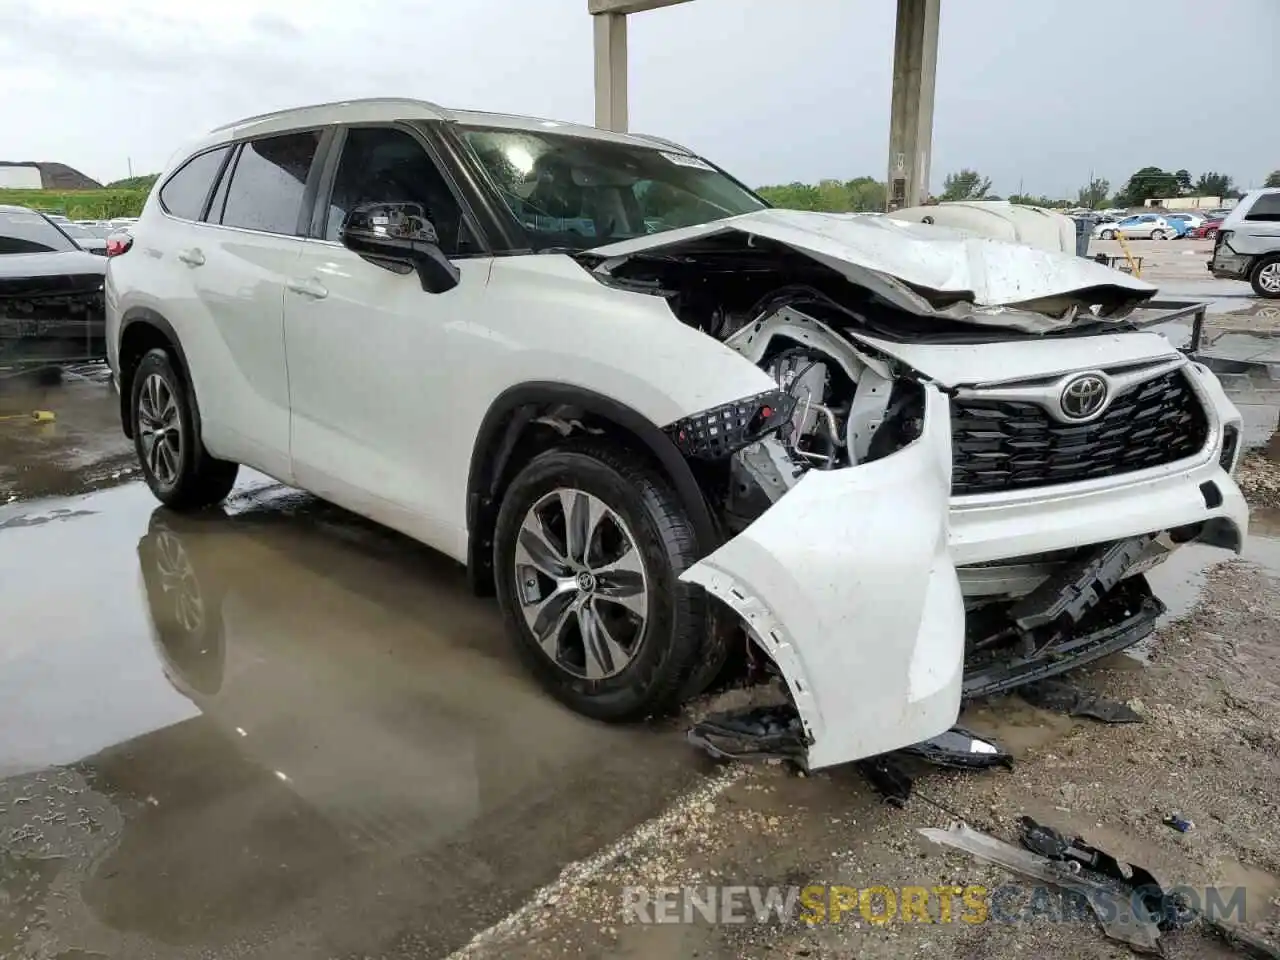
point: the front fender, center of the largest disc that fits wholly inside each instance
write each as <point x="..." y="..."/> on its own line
<point x="847" y="582"/>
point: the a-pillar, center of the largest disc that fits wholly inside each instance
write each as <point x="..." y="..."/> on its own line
<point x="915" y="67"/>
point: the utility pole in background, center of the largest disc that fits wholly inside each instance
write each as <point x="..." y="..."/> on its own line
<point x="129" y="160"/>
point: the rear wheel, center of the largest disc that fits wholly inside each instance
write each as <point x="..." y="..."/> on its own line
<point x="1265" y="278"/>
<point x="1157" y="234"/>
<point x="1108" y="234"/>
<point x="177" y="467"/>
<point x="589" y="548"/>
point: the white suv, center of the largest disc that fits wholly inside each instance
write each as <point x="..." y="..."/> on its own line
<point x="652" y="413"/>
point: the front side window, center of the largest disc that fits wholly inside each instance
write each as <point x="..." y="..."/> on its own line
<point x="385" y="165"/>
<point x="25" y="231"/>
<point x="268" y="181"/>
<point x="184" y="194"/>
<point x="582" y="192"/>
<point x="1265" y="208"/>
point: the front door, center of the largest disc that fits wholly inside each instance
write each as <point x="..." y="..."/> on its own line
<point x="371" y="353"/>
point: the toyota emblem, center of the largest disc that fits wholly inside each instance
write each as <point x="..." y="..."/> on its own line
<point x="1083" y="397"/>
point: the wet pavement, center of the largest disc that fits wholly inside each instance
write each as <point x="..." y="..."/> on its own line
<point x="81" y="448"/>
<point x="277" y="731"/>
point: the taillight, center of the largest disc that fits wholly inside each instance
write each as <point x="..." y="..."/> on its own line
<point x="118" y="245"/>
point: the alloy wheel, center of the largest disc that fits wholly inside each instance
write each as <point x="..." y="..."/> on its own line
<point x="1269" y="277"/>
<point x="581" y="584"/>
<point x="160" y="428"/>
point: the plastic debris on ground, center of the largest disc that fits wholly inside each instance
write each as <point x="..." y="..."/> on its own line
<point x="1099" y="879"/>
<point x="758" y="733"/>
<point x="1069" y="699"/>
<point x="960" y="749"/>
<point x="1179" y="823"/>
<point x="1140" y="933"/>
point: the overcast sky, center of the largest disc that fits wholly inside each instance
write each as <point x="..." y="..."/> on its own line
<point x="1031" y="92"/>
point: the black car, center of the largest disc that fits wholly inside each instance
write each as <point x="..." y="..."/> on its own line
<point x="51" y="306"/>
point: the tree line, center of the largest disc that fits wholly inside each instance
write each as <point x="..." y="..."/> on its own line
<point x="868" y="195"/>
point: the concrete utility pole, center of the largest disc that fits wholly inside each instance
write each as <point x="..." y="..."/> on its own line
<point x="610" y="25"/>
<point x="915" y="68"/>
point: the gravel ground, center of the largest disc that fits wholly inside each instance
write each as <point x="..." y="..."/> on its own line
<point x="1259" y="479"/>
<point x="1209" y="690"/>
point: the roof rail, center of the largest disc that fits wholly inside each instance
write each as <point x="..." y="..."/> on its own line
<point x="333" y="103"/>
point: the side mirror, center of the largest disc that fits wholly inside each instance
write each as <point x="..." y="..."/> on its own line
<point x="389" y="234"/>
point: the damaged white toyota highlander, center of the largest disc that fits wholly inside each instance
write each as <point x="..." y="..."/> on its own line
<point x="899" y="466"/>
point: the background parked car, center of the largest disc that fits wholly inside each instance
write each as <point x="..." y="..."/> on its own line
<point x="1192" y="220"/>
<point x="1145" y="226"/>
<point x="87" y="238"/>
<point x="51" y="307"/>
<point x="1248" y="243"/>
<point x="1207" y="230"/>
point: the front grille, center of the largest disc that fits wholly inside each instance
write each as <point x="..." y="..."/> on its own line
<point x="1011" y="445"/>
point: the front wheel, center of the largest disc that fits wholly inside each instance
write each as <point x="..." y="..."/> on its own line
<point x="1265" y="278"/>
<point x="1157" y="234"/>
<point x="588" y="552"/>
<point x="177" y="467"/>
<point x="1108" y="234"/>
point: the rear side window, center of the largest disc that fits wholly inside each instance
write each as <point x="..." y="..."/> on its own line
<point x="268" y="183"/>
<point x="185" y="193"/>
<point x="1266" y="208"/>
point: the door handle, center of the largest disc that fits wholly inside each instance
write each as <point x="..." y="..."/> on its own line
<point x="308" y="287"/>
<point x="192" y="257"/>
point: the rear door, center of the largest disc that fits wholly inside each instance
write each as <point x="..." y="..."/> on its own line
<point x="372" y="356"/>
<point x="240" y="260"/>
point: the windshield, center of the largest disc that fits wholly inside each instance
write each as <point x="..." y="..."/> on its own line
<point x="579" y="192"/>
<point x="24" y="231"/>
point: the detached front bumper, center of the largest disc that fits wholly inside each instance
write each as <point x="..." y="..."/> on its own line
<point x="852" y="580"/>
<point x="848" y="584"/>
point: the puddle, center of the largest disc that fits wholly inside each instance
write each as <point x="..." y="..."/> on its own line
<point x="1179" y="580"/>
<point x="1260" y="887"/>
<point x="1015" y="724"/>
<point x="1259" y="346"/>
<point x="1262" y="310"/>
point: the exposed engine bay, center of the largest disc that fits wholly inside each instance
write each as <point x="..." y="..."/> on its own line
<point x="843" y="402"/>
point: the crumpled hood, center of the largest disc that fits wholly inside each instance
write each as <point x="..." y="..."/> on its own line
<point x="923" y="268"/>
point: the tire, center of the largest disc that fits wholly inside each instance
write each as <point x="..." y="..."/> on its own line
<point x="649" y="664"/>
<point x="1107" y="235"/>
<point x="177" y="467"/>
<point x="1265" y="277"/>
<point x="1157" y="234"/>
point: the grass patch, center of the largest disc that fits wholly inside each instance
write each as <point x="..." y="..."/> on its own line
<point x="80" y="204"/>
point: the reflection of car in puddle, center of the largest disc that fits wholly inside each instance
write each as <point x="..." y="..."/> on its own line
<point x="318" y="668"/>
